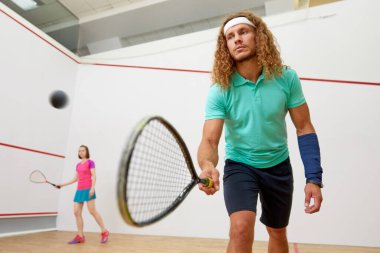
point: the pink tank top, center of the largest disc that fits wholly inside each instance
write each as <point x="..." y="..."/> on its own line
<point x="84" y="174"/>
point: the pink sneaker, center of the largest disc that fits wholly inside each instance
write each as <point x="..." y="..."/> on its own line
<point x="104" y="235"/>
<point x="77" y="239"/>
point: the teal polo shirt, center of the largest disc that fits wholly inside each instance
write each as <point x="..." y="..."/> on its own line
<point x="254" y="116"/>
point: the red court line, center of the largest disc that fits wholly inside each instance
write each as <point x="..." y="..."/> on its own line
<point x="175" y="69"/>
<point x="27" y="214"/>
<point x="209" y="72"/>
<point x="146" y="67"/>
<point x="339" y="81"/>
<point x="31" y="150"/>
<point x="296" y="249"/>
<point x="39" y="36"/>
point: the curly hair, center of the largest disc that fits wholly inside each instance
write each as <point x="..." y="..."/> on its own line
<point x="268" y="54"/>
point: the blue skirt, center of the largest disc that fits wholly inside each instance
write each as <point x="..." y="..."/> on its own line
<point x="83" y="195"/>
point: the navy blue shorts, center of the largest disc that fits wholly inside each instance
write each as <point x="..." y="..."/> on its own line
<point x="243" y="184"/>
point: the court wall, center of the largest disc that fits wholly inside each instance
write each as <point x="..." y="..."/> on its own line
<point x="33" y="134"/>
<point x="334" y="49"/>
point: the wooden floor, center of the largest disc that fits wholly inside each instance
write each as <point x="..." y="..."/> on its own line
<point x="51" y="242"/>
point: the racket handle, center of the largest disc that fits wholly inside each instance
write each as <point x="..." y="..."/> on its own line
<point x="206" y="182"/>
<point x="56" y="186"/>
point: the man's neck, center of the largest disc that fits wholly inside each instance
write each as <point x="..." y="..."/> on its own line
<point x="249" y="69"/>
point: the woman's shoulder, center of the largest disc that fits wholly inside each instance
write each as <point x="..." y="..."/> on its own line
<point x="91" y="163"/>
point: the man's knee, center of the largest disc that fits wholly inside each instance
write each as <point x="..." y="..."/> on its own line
<point x="278" y="234"/>
<point x="242" y="228"/>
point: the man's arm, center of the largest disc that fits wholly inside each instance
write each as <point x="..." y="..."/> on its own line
<point x="300" y="116"/>
<point x="208" y="153"/>
<point x="309" y="149"/>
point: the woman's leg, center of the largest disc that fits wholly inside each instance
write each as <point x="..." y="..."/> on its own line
<point x="93" y="212"/>
<point x="78" y="207"/>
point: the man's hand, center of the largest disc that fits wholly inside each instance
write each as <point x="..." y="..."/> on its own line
<point x="312" y="191"/>
<point x="212" y="173"/>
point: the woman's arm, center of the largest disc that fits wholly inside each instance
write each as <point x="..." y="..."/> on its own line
<point x="71" y="181"/>
<point x="93" y="176"/>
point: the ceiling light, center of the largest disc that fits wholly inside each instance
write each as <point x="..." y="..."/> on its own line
<point x="26" y="5"/>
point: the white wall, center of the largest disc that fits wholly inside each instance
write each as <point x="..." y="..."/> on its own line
<point x="30" y="70"/>
<point x="337" y="41"/>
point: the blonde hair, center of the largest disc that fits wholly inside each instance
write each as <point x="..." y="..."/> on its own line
<point x="268" y="55"/>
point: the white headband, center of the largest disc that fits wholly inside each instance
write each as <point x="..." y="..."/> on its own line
<point x="237" y="21"/>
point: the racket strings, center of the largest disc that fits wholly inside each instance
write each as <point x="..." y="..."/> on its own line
<point x="37" y="177"/>
<point x="158" y="173"/>
<point x="170" y="157"/>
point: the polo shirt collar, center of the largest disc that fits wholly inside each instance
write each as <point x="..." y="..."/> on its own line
<point x="239" y="80"/>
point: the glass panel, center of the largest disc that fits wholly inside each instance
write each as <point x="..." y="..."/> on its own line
<point x="51" y="17"/>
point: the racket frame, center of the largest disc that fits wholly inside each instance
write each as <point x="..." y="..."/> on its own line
<point x="43" y="175"/>
<point x="122" y="181"/>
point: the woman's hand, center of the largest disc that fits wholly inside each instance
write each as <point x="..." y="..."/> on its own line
<point x="92" y="192"/>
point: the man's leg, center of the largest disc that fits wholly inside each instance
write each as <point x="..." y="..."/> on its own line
<point x="276" y="200"/>
<point x="278" y="242"/>
<point x="240" y="196"/>
<point x="241" y="232"/>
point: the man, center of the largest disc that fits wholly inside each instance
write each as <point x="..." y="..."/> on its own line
<point x="251" y="96"/>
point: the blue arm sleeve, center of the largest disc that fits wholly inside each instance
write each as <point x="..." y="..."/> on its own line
<point x="311" y="157"/>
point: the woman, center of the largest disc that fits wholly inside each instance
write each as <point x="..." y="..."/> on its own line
<point x="86" y="177"/>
